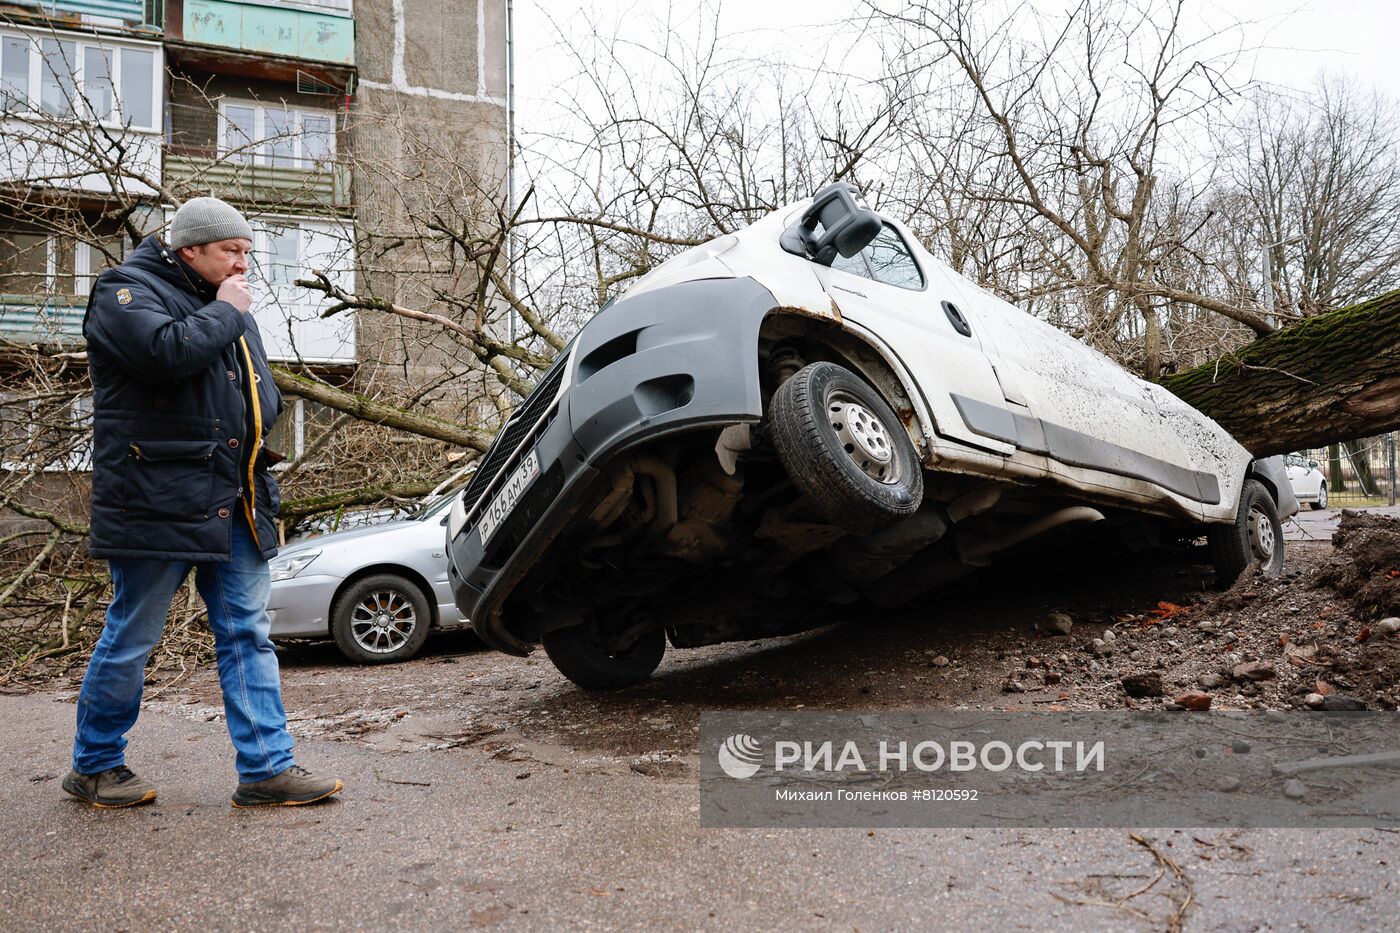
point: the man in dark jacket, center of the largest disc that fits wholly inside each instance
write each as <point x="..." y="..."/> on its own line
<point x="182" y="402"/>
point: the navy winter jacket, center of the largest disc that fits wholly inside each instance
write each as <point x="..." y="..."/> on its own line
<point x="182" y="401"/>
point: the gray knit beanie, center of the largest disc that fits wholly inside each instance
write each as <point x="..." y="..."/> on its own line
<point x="207" y="220"/>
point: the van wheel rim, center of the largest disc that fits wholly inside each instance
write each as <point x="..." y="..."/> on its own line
<point x="864" y="438"/>
<point x="1261" y="535"/>
<point x="1322" y="498"/>
<point x="383" y="621"/>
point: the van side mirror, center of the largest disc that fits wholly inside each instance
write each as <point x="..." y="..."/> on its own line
<point x="847" y="225"/>
<point x="1313" y="464"/>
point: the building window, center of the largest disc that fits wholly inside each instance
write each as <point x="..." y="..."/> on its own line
<point x="261" y="134"/>
<point x="100" y="93"/>
<point x="89" y="259"/>
<point x="65" y="78"/>
<point x="138" y="77"/>
<point x="276" y="253"/>
<point x="14" y="73"/>
<point x="58" y="89"/>
<point x="300" y="424"/>
<point x="54" y="435"/>
<point x="23" y="263"/>
<point x="38" y="266"/>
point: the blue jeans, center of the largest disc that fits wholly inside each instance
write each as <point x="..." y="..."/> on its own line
<point x="236" y="595"/>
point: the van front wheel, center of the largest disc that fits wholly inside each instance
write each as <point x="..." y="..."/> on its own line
<point x="579" y="654"/>
<point x="845" y="448"/>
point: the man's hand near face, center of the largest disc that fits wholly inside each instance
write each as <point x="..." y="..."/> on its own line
<point x="235" y="291"/>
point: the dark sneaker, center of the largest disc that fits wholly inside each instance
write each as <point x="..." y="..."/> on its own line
<point x="111" y="789"/>
<point x="291" y="788"/>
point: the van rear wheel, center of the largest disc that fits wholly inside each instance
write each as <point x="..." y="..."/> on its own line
<point x="1255" y="536"/>
<point x="580" y="655"/>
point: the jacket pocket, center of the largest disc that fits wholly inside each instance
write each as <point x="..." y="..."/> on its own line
<point x="170" y="478"/>
<point x="272" y="493"/>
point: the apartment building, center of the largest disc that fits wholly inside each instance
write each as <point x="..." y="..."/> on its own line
<point x="112" y="109"/>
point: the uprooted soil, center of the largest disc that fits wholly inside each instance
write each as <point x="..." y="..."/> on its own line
<point x="1264" y="643"/>
<point x="1365" y="564"/>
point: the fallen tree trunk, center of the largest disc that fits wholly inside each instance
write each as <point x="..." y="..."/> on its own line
<point x="367" y="409"/>
<point x="293" y="509"/>
<point x="1328" y="378"/>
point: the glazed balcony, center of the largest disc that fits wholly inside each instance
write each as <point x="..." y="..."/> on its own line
<point x="322" y="188"/>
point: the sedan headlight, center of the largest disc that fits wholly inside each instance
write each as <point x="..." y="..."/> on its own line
<point x="284" y="568"/>
<point x="457" y="518"/>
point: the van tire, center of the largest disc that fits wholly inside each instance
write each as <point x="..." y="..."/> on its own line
<point x="1255" y="536"/>
<point x="577" y="654"/>
<point x="831" y="429"/>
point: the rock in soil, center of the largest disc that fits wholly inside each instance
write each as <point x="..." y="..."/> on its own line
<point x="1294" y="789"/>
<point x="1341" y="703"/>
<point x="1230" y="784"/>
<point x="1194" y="700"/>
<point x="1253" y="670"/>
<point x="1145" y="684"/>
<point x="1388" y="626"/>
<point x="1314" y="700"/>
<point x="1060" y="623"/>
<point x="1211" y="681"/>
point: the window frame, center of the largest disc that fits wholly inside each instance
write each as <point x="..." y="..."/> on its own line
<point x="51" y="275"/>
<point x="79" y="410"/>
<point x="257" y="151"/>
<point x="870" y="269"/>
<point x="81" y="110"/>
<point x="297" y="421"/>
<point x="262" y="248"/>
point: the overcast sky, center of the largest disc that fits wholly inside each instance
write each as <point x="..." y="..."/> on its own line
<point x="1295" y="40"/>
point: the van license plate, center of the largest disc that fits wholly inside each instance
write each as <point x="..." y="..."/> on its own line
<point x="509" y="495"/>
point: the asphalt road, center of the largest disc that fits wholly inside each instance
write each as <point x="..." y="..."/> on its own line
<point x="1310" y="525"/>
<point x="459" y="837"/>
<point x="486" y="790"/>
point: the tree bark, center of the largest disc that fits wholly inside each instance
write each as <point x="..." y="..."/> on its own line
<point x="293" y="509"/>
<point x="367" y="409"/>
<point x="1326" y="379"/>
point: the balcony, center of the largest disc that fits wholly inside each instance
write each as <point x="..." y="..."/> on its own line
<point x="308" y="32"/>
<point x="316" y="189"/>
<point x="144" y="16"/>
<point x="56" y="322"/>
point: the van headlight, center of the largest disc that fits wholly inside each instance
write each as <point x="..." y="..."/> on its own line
<point x="284" y="568"/>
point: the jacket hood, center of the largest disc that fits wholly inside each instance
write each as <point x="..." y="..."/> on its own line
<point x="158" y="259"/>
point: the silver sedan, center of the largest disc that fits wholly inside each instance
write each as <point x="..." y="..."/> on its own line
<point x="376" y="591"/>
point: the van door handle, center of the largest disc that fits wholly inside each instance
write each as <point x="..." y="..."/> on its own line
<point x="956" y="317"/>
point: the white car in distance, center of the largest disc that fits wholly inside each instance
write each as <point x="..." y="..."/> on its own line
<point x="1308" y="482"/>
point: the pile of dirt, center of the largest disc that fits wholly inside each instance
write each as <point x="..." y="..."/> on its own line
<point x="1365" y="564"/>
<point x="1310" y="638"/>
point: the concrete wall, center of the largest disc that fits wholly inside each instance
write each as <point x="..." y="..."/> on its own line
<point x="430" y="137"/>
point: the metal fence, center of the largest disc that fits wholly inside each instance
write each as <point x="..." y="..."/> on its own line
<point x="1359" y="473"/>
